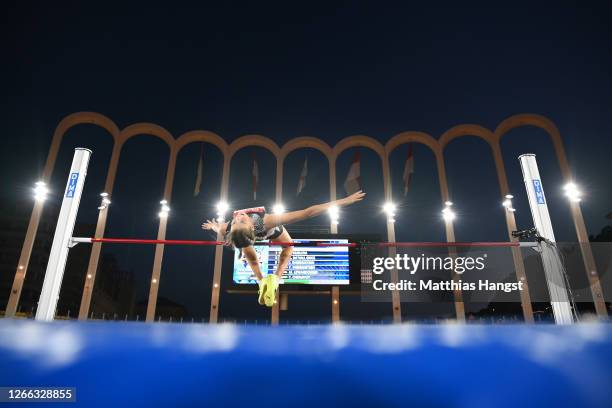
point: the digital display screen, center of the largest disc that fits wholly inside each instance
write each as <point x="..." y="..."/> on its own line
<point x="310" y="265"/>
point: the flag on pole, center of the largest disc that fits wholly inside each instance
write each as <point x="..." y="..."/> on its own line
<point x="255" y="178"/>
<point x="352" y="184"/>
<point x="303" y="174"/>
<point x="408" y="169"/>
<point x="198" y="181"/>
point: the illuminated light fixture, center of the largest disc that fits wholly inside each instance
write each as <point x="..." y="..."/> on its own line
<point x="21" y="267"/>
<point x="222" y="208"/>
<point x="447" y="212"/>
<point x="335" y="302"/>
<point x="572" y="192"/>
<point x="507" y="203"/>
<point x="105" y="201"/>
<point x="216" y="285"/>
<point x="89" y="276"/>
<point x="154" y="280"/>
<point x="278" y="209"/>
<point x="40" y="191"/>
<point x="164" y="209"/>
<point x="389" y="208"/>
<point x="334" y="214"/>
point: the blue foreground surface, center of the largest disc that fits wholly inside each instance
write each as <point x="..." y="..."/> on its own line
<point x="174" y="365"/>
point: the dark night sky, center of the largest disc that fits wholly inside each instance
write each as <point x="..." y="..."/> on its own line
<point x="329" y="71"/>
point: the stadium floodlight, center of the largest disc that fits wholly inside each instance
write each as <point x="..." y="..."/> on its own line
<point x="334" y="210"/>
<point x="447" y="212"/>
<point x="507" y="203"/>
<point x="334" y="214"/>
<point x="278" y="208"/>
<point x="105" y="201"/>
<point x="389" y="208"/>
<point x="164" y="209"/>
<point x="572" y="192"/>
<point x="40" y="191"/>
<point x="222" y="208"/>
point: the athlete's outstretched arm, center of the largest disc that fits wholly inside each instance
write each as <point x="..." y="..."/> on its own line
<point x="272" y="220"/>
<point x="213" y="225"/>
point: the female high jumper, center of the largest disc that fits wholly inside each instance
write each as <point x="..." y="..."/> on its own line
<point x="253" y="224"/>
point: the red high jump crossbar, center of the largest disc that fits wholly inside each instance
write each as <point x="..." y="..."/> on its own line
<point x="76" y="240"/>
<point x="449" y="244"/>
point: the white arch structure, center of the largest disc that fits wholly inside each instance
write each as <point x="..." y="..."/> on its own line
<point x="437" y="146"/>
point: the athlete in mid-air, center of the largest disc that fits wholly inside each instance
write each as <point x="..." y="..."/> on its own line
<point x="253" y="224"/>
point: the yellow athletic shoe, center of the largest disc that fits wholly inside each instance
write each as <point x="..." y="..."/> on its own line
<point x="262" y="290"/>
<point x="270" y="288"/>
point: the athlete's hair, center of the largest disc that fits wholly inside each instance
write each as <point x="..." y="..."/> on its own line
<point x="241" y="237"/>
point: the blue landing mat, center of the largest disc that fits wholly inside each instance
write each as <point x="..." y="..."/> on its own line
<point x="180" y="365"/>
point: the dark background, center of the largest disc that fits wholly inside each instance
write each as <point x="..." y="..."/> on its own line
<point x="283" y="71"/>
